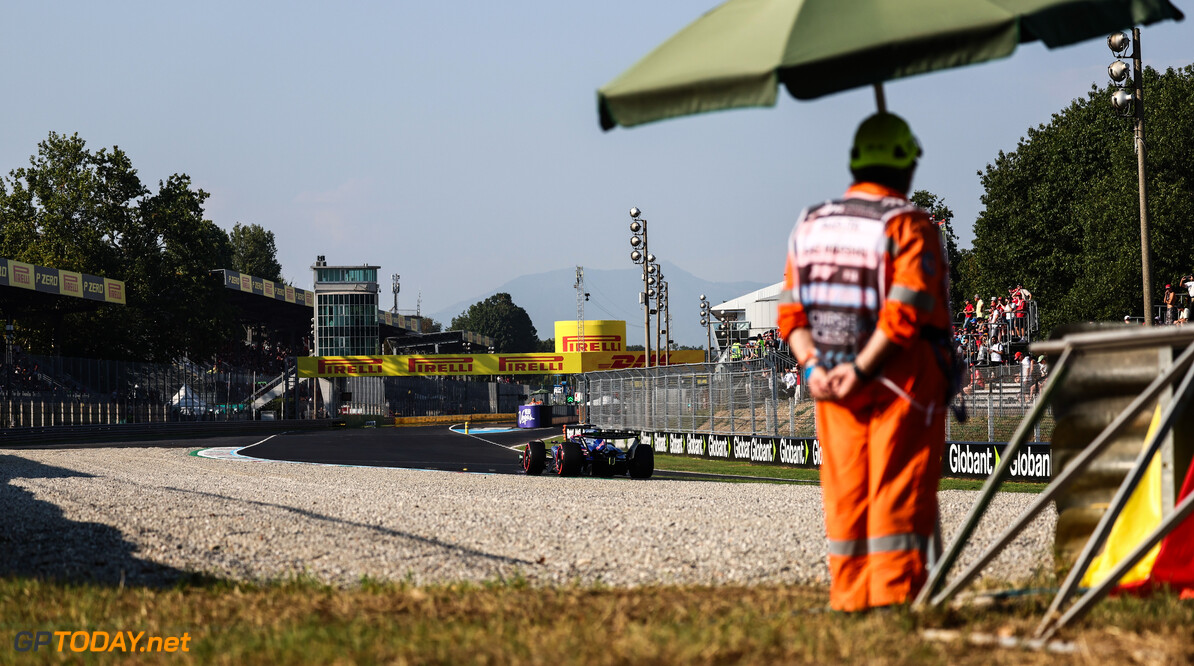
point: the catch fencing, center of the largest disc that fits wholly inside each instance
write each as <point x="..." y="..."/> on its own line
<point x="53" y="390"/>
<point x="753" y="398"/>
<point x="41" y="391"/>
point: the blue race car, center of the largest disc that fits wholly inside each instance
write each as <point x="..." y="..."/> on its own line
<point x="594" y="453"/>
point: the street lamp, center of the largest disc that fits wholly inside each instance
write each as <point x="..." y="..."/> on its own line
<point x="639" y="255"/>
<point x="1132" y="104"/>
<point x="705" y="321"/>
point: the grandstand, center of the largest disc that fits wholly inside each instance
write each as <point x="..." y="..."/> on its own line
<point x="246" y="376"/>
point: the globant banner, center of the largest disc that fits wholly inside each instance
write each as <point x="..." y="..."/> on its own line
<point x="1034" y="462"/>
<point x="794" y="451"/>
<point x="478" y="364"/>
<point x="961" y="459"/>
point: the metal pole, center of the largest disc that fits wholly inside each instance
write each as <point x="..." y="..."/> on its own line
<point x="709" y="338"/>
<point x="730" y="383"/>
<point x="667" y="321"/>
<point x="1145" y="260"/>
<point x="658" y="312"/>
<point x="769" y="361"/>
<point x="990" y="413"/>
<point x="646" y="301"/>
<point x="709" y="387"/>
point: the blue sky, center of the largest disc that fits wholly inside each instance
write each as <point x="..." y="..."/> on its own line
<point x="457" y="143"/>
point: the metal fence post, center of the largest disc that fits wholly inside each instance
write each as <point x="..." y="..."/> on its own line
<point x="792" y="415"/>
<point x="730" y="383"/>
<point x="773" y="376"/>
<point x="990" y="413"/>
<point x="750" y="393"/>
<point x="653" y="392"/>
<point x="709" y="387"/>
<point x="667" y="414"/>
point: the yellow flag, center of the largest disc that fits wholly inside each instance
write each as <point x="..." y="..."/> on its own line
<point x="1141" y="515"/>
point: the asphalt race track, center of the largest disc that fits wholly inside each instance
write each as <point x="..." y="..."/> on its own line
<point x="490" y="450"/>
<point x="426" y="447"/>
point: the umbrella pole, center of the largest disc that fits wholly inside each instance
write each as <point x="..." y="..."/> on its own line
<point x="880" y="98"/>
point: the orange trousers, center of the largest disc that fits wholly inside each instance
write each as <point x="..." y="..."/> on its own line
<point x="879" y="476"/>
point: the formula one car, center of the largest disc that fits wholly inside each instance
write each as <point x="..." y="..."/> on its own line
<point x="592" y="452"/>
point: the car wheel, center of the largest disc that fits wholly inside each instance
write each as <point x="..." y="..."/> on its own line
<point x="571" y="459"/>
<point x="534" y="458"/>
<point x="642" y="462"/>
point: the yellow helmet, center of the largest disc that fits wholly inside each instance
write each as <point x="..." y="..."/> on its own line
<point x="884" y="140"/>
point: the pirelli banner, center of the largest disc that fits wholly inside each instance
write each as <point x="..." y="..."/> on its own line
<point x="597" y="335"/>
<point x="268" y="288"/>
<point x="480" y="364"/>
<point x="419" y="324"/>
<point x="62" y="283"/>
<point x="961" y="459"/>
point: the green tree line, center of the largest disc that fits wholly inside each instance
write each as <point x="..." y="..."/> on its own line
<point x="88" y="211"/>
<point x="1061" y="211"/>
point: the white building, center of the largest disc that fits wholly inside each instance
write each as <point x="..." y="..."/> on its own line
<point x="747" y="316"/>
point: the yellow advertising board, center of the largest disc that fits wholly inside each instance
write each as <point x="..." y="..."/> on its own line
<point x="596" y="361"/>
<point x="480" y="364"/>
<point x="599" y="335"/>
<point x="61" y="282"/>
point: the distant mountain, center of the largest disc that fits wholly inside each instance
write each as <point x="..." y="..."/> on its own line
<point x="613" y="294"/>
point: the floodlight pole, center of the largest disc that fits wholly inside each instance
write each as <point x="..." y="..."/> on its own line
<point x="1138" y="108"/>
<point x="658" y="314"/>
<point x="646" y="304"/>
<point x="639" y="228"/>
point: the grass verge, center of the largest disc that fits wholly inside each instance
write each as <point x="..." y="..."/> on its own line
<point x="302" y="621"/>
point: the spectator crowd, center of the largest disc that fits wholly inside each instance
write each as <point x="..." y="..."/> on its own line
<point x="990" y="326"/>
<point x="1176" y="307"/>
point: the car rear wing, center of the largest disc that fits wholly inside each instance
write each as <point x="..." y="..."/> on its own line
<point x="590" y="430"/>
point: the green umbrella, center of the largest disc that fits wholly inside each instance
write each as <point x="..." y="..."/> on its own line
<point x="737" y="54"/>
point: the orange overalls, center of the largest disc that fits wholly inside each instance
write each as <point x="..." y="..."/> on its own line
<point x="872" y="260"/>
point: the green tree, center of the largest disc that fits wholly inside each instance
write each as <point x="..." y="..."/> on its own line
<point x="1061" y="211"/>
<point x="86" y="211"/>
<point x="255" y="252"/>
<point x="189" y="316"/>
<point x="944" y="217"/>
<point x="498" y="317"/>
<point x="70" y="208"/>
